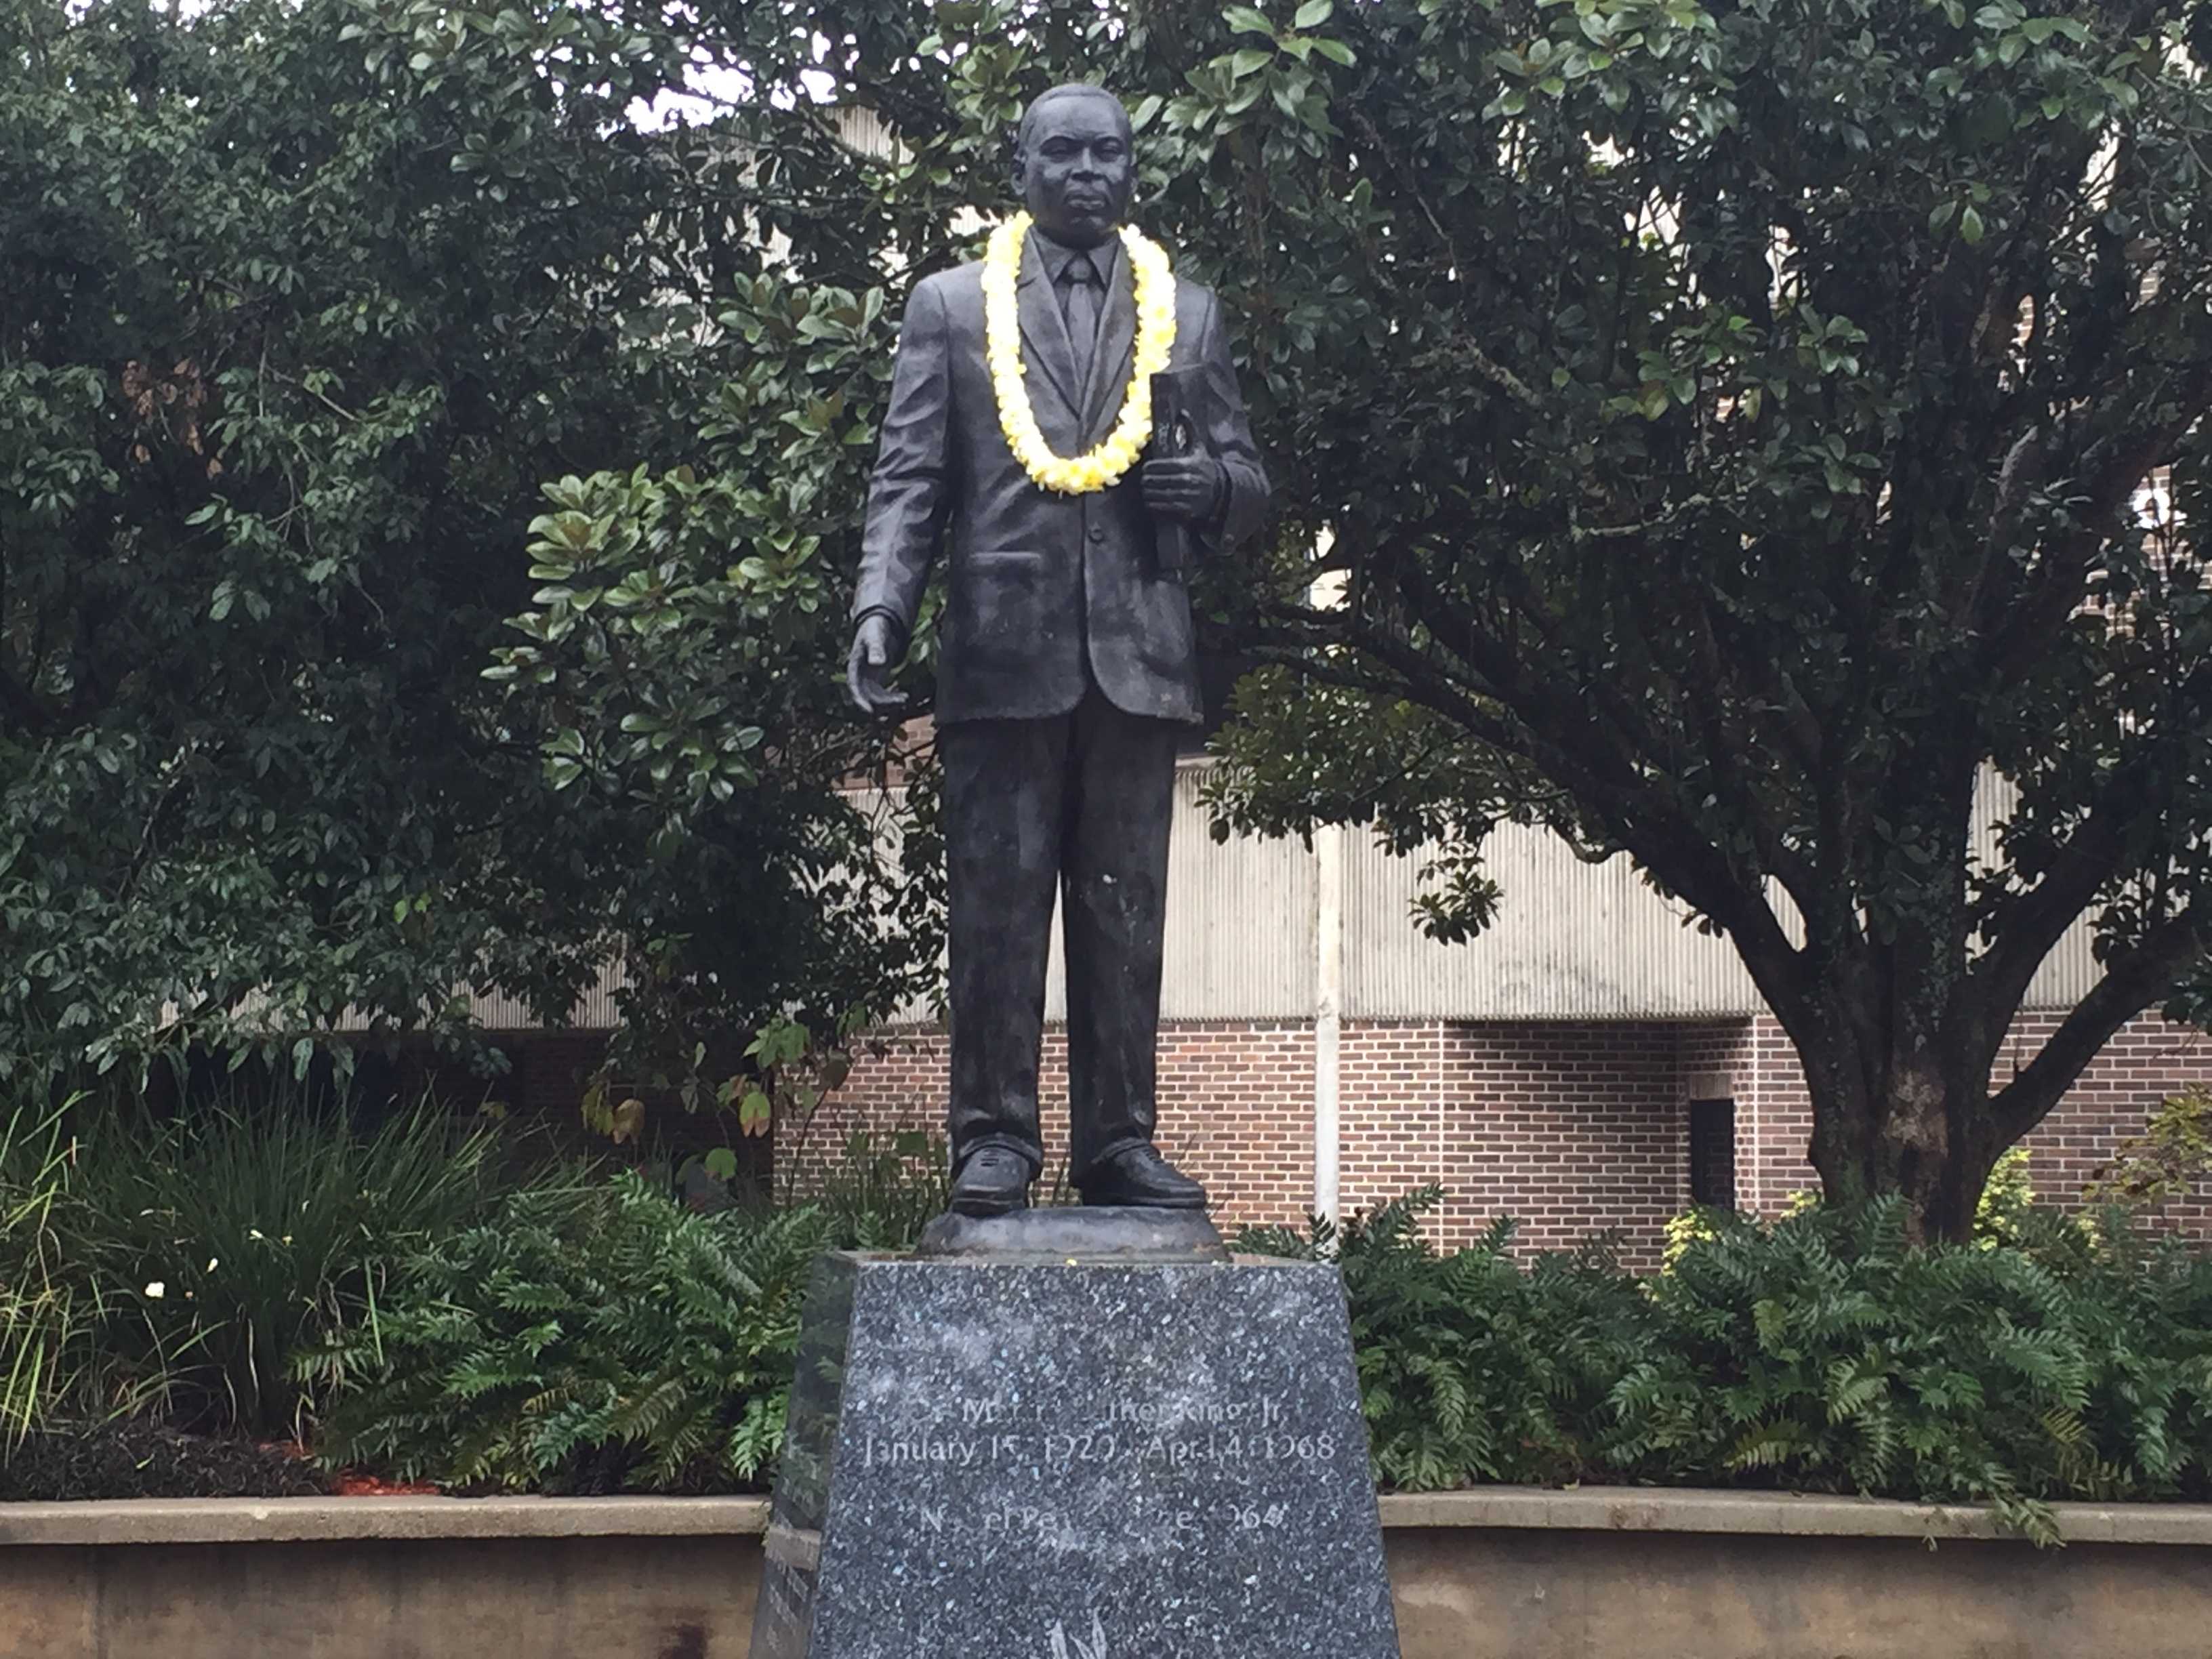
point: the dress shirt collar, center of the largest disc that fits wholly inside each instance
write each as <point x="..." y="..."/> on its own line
<point x="1055" y="257"/>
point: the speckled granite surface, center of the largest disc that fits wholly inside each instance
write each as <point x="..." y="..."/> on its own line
<point x="993" y="1461"/>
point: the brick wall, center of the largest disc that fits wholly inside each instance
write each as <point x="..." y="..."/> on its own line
<point x="1572" y="1128"/>
<point x="1235" y="1108"/>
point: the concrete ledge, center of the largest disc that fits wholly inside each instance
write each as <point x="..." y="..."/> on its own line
<point x="1520" y="1508"/>
<point x="320" y="1520"/>
<point x="1786" y="1515"/>
<point x="1493" y="1573"/>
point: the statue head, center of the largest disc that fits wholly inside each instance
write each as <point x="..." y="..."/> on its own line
<point x="1075" y="164"/>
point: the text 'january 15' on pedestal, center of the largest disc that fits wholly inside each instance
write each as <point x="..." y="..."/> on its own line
<point x="1098" y="1460"/>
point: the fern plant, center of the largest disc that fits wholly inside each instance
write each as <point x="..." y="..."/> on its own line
<point x="582" y="1340"/>
<point x="1820" y="1352"/>
<point x="1817" y="1352"/>
<point x="1471" y="1367"/>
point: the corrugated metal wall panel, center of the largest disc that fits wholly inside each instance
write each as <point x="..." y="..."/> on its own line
<point x="2070" y="970"/>
<point x="1571" y="941"/>
<point x="594" y="1010"/>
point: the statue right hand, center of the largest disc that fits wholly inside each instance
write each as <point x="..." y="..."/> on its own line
<point x="875" y="643"/>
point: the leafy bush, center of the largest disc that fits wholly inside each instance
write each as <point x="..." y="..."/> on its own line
<point x="579" y="1340"/>
<point x="223" y="1243"/>
<point x="2170" y="1158"/>
<point x="1820" y="1353"/>
<point x="1473" y="1368"/>
<point x="1814" y="1352"/>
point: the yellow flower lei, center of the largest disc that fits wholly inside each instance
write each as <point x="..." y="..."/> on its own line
<point x="1156" y="327"/>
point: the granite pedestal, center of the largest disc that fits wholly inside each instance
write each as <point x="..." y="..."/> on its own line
<point x="1087" y="1458"/>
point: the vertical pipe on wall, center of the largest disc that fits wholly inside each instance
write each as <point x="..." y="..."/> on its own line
<point x="1329" y="847"/>
<point x="1328" y="1014"/>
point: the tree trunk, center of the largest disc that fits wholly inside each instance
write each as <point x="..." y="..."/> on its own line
<point x="1897" y="1062"/>
<point x="1918" y="1139"/>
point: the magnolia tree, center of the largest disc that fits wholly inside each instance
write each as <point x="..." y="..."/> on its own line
<point x="1734" y="427"/>
<point x="296" y="318"/>
<point x="1726" y="431"/>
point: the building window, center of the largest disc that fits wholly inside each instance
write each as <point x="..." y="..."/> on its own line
<point x="1712" y="1153"/>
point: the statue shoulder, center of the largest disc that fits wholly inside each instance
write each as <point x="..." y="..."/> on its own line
<point x="960" y="282"/>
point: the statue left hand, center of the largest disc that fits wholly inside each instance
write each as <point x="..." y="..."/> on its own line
<point x="1185" y="487"/>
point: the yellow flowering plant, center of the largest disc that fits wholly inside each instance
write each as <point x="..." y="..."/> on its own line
<point x="1102" y="467"/>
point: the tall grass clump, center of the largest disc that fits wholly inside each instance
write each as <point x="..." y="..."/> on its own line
<point x="41" y="1310"/>
<point x="226" y="1240"/>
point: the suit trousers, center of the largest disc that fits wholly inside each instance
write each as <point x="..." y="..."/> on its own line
<point x="1077" y="804"/>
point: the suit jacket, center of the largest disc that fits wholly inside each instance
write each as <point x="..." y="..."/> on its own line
<point x="1041" y="590"/>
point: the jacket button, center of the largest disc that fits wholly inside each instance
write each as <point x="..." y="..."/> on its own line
<point x="1097" y="532"/>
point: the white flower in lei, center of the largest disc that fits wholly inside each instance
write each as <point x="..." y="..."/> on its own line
<point x="1076" y="474"/>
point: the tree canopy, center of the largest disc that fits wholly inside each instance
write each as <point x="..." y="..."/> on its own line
<point x="296" y="320"/>
<point x="1723" y="428"/>
<point x="1773" y="392"/>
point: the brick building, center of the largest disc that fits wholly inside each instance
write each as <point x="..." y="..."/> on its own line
<point x="1589" y="1063"/>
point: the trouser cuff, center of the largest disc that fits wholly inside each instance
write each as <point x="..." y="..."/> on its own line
<point x="1112" y="1149"/>
<point x="1031" y="1155"/>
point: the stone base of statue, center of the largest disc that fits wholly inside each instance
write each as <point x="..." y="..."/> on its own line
<point x="1087" y="1455"/>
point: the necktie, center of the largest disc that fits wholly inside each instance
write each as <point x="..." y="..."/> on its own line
<point x="1080" y="306"/>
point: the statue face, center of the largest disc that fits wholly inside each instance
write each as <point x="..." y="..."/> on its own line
<point x="1077" y="168"/>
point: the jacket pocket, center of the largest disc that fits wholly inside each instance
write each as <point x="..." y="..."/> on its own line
<point x="1003" y="609"/>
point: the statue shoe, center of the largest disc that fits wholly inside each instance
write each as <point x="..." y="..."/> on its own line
<point x="991" y="1181"/>
<point x="1141" y="1177"/>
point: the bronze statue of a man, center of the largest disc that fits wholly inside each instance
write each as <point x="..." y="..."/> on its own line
<point x="1068" y="670"/>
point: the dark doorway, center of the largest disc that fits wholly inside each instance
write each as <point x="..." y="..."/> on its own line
<point x="1712" y="1153"/>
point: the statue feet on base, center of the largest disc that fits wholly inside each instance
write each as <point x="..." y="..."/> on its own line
<point x="991" y="1181"/>
<point x="1139" y="1178"/>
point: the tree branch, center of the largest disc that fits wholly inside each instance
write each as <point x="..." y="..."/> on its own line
<point x="2128" y="987"/>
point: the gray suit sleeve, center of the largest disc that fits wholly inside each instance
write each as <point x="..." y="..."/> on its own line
<point x="907" y="490"/>
<point x="1244" y="506"/>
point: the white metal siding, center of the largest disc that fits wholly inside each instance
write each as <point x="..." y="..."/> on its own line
<point x="1571" y="940"/>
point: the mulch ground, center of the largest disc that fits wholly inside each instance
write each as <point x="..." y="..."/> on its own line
<point x="127" y="1459"/>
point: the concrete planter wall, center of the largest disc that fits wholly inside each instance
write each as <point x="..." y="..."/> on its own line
<point x="1597" y="1573"/>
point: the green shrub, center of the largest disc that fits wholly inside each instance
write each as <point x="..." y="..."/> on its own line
<point x="579" y="1340"/>
<point x="223" y="1242"/>
<point x="1820" y="1352"/>
<point x="2170" y="1158"/>
<point x="1816" y="1352"/>
<point x="1473" y="1368"/>
<point x="2001" y="1214"/>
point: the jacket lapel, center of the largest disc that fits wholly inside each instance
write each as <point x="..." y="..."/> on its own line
<point x="1046" y="349"/>
<point x="1117" y="353"/>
